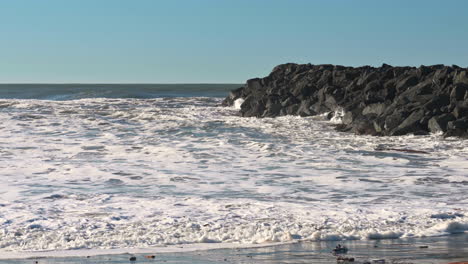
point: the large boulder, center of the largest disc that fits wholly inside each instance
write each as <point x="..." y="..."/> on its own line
<point x="459" y="92"/>
<point x="458" y="128"/>
<point x="385" y="100"/>
<point x="439" y="123"/>
<point x="411" y="124"/>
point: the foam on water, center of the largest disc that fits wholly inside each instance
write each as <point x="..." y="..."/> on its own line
<point x="128" y="173"/>
<point x="238" y="103"/>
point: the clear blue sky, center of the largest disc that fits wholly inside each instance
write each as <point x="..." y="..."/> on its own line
<point x="220" y="41"/>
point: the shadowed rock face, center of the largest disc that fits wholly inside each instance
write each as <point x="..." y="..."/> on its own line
<point x="378" y="101"/>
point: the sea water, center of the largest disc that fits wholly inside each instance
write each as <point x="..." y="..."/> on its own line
<point x="115" y="167"/>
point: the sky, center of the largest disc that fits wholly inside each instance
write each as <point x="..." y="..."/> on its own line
<point x="219" y="41"/>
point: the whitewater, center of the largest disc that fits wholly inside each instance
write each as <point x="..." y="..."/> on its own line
<point x="110" y="173"/>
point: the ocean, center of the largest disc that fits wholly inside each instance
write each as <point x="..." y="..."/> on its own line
<point x="114" y="167"/>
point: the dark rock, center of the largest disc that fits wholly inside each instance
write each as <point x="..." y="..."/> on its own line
<point x="378" y="101"/>
<point x="342" y="259"/>
<point x="305" y="109"/>
<point x="406" y="83"/>
<point x="302" y="89"/>
<point x="254" y="84"/>
<point x="272" y="110"/>
<point x="461" y="77"/>
<point x="377" y="109"/>
<point x="290" y="101"/>
<point x="364" y="125"/>
<point x="252" y="107"/>
<point x="439" y="123"/>
<point x="437" y="102"/>
<point x="325" y="79"/>
<point x="457" y="128"/>
<point x="410" y="125"/>
<point x="367" y="78"/>
<point x="273" y="107"/>
<point x="294" y="109"/>
<point x="233" y="95"/>
<point x="393" y="120"/>
<point x="458" y="124"/>
<point x="339" y="249"/>
<point x="461" y="110"/>
<point x="458" y="92"/>
<point x="331" y="102"/>
<point x="375" y="93"/>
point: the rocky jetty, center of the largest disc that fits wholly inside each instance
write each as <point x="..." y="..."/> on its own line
<point x="387" y="100"/>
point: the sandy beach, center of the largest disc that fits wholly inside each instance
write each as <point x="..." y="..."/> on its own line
<point x="418" y="251"/>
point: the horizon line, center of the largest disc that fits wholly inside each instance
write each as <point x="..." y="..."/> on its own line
<point x="113" y="83"/>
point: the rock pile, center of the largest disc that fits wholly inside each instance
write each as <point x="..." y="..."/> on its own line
<point x="378" y="101"/>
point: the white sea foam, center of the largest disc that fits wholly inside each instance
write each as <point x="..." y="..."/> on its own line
<point x="123" y="173"/>
<point x="338" y="115"/>
<point x="238" y="103"/>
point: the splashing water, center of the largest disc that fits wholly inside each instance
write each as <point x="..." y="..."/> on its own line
<point x="122" y="173"/>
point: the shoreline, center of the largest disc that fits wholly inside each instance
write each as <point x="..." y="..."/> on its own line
<point x="442" y="249"/>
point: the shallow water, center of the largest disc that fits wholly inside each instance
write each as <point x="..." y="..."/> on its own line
<point x="427" y="250"/>
<point x="114" y="173"/>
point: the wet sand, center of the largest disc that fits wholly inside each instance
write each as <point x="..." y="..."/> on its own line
<point x="421" y="250"/>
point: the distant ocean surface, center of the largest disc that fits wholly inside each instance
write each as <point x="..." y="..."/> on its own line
<point x="60" y="92"/>
<point x="140" y="166"/>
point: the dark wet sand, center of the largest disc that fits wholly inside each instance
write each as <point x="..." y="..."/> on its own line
<point x="422" y="250"/>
